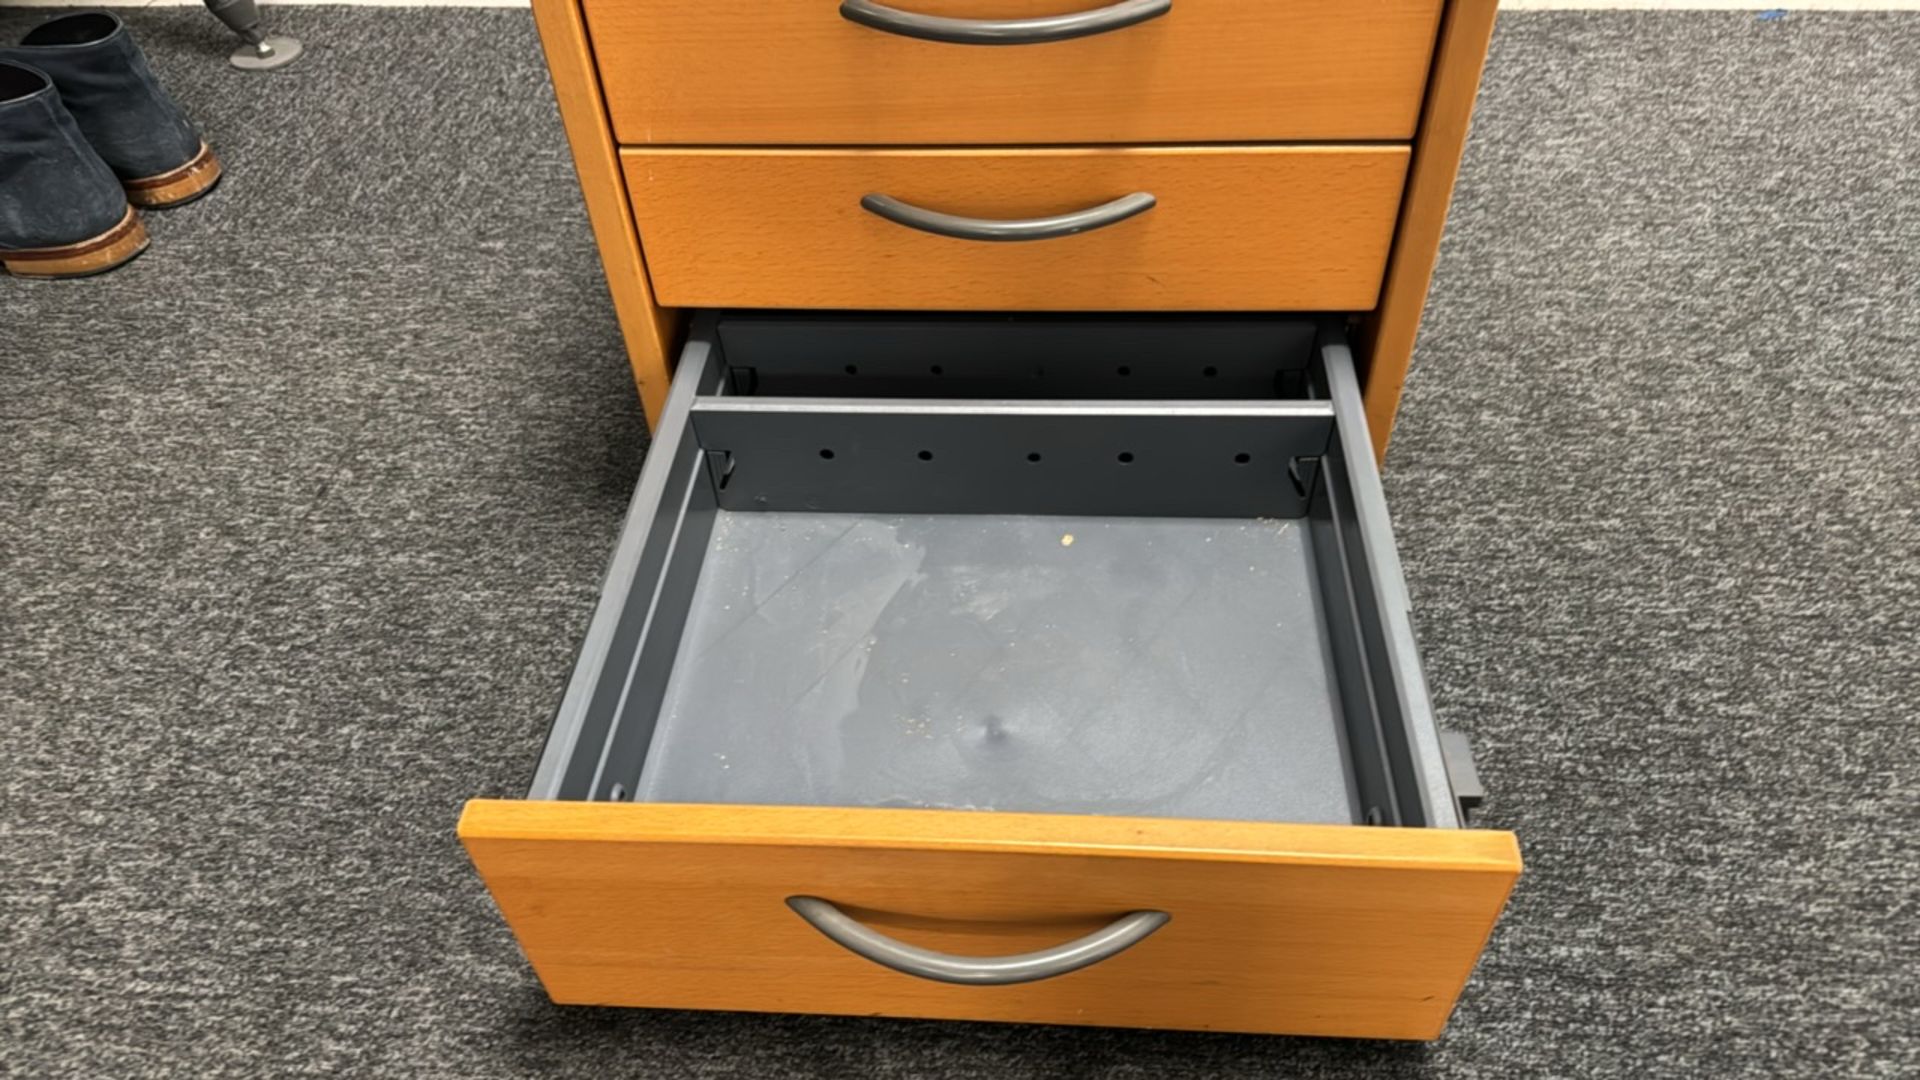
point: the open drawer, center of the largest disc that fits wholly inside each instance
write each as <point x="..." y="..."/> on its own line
<point x="1040" y="669"/>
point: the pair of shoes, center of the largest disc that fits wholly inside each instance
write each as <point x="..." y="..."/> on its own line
<point x="86" y="134"/>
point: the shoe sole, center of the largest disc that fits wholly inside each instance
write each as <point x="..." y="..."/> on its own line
<point x="176" y="186"/>
<point x="95" y="256"/>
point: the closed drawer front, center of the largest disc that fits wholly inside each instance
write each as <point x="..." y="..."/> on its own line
<point x="1230" y="228"/>
<point x="932" y="644"/>
<point x="754" y="72"/>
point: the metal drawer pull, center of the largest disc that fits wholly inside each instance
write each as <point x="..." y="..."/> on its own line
<point x="1003" y="31"/>
<point x="861" y="940"/>
<point x="1046" y="228"/>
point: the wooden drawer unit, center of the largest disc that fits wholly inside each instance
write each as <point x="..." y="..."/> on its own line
<point x="679" y="77"/>
<point x="932" y="678"/>
<point x="739" y="72"/>
<point x="1164" y="229"/>
<point x="1006" y="624"/>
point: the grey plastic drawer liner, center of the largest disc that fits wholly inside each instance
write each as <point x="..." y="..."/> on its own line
<point x="1186" y="606"/>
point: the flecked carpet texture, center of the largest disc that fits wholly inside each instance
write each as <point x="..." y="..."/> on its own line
<point x="302" y="515"/>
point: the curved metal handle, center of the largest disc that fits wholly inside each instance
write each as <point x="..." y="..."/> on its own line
<point x="1003" y="31"/>
<point x="864" y="941"/>
<point x="1046" y="228"/>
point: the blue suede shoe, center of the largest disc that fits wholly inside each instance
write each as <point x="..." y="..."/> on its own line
<point x="104" y="80"/>
<point x="62" y="211"/>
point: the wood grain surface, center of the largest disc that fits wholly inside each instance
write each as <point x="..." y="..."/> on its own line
<point x="1236" y="228"/>
<point x="753" y="72"/>
<point x="1388" y="337"/>
<point x="1322" y="930"/>
<point x="651" y="332"/>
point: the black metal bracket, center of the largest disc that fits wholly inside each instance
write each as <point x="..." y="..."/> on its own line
<point x="720" y="468"/>
<point x="1164" y="459"/>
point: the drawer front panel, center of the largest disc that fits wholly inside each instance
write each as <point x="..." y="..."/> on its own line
<point x="1230" y="228"/>
<point x="752" y="72"/>
<point x="1321" y="930"/>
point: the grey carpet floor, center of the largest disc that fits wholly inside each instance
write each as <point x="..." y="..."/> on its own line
<point x="302" y="514"/>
